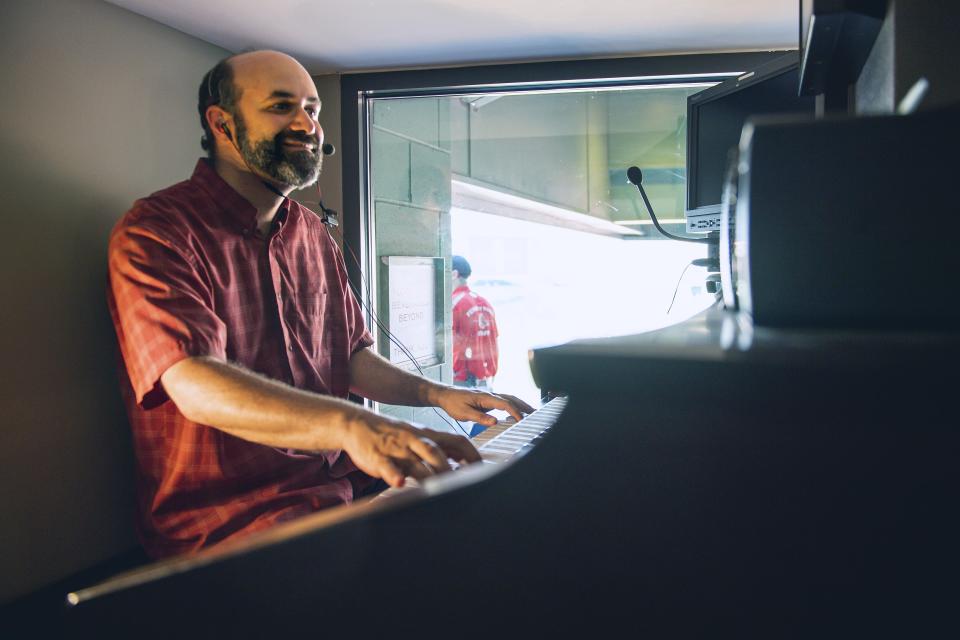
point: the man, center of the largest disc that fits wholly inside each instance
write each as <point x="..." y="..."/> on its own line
<point x="475" y="354"/>
<point x="241" y="340"/>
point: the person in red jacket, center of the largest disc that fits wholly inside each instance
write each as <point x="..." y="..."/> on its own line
<point x="475" y="353"/>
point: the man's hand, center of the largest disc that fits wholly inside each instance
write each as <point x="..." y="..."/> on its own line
<point x="472" y="404"/>
<point x="392" y="450"/>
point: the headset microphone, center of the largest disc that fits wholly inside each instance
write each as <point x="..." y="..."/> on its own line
<point x="329" y="217"/>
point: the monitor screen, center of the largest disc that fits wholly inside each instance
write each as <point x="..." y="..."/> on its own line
<point x="715" y="118"/>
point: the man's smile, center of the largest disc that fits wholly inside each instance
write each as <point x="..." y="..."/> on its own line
<point x="301" y="144"/>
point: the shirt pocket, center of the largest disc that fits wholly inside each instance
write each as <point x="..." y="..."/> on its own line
<point x="313" y="303"/>
<point x="315" y="307"/>
<point x="310" y="295"/>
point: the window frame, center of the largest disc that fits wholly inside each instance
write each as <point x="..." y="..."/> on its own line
<point x="357" y="89"/>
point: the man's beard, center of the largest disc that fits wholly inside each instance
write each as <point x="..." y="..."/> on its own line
<point x="296" y="168"/>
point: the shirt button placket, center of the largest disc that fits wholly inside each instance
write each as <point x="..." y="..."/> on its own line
<point x="274" y="270"/>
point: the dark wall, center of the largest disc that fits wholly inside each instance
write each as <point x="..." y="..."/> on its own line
<point x="927" y="45"/>
<point x="918" y="40"/>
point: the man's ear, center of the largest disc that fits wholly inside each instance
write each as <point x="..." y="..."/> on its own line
<point x="220" y="122"/>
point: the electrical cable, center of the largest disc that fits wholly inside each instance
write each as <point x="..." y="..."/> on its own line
<point x="682" y="273"/>
<point x="368" y="308"/>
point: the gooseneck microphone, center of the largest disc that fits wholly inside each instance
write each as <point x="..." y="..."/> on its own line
<point x="635" y="177"/>
<point x="328" y="149"/>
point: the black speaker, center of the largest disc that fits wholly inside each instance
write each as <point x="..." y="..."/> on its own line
<point x="847" y="222"/>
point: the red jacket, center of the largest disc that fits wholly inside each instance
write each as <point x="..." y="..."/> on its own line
<point x="474" y="336"/>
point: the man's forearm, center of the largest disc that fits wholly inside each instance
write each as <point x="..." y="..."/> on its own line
<point x="374" y="377"/>
<point x="225" y="396"/>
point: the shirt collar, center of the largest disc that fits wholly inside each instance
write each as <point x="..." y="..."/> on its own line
<point x="229" y="201"/>
<point x="463" y="288"/>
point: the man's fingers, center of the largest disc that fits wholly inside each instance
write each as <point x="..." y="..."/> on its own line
<point x="391" y="473"/>
<point x="517" y="402"/>
<point x="397" y="450"/>
<point x="427" y="451"/>
<point x="456" y="447"/>
<point x="491" y="401"/>
<point x="416" y="468"/>
<point x="481" y="417"/>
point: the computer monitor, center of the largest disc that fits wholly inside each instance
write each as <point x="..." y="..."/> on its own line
<point x="715" y="118"/>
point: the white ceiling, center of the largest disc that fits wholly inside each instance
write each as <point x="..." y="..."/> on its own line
<point x="352" y="35"/>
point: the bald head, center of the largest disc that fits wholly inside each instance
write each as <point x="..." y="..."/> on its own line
<point x="262" y="70"/>
<point x="269" y="71"/>
<point x="260" y="114"/>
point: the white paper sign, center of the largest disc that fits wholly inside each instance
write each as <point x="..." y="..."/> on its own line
<point x="413" y="312"/>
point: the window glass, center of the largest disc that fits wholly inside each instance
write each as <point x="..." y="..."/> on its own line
<point x="531" y="189"/>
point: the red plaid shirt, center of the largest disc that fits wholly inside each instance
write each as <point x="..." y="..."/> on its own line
<point x="190" y="275"/>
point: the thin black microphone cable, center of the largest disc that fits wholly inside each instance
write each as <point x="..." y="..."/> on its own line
<point x="368" y="307"/>
<point x="406" y="352"/>
<point x="677" y="288"/>
<point x="330" y="221"/>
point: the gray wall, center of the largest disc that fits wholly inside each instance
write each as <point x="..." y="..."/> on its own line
<point x="98" y="108"/>
<point x="410" y="148"/>
<point x="534" y="145"/>
<point x="573" y="149"/>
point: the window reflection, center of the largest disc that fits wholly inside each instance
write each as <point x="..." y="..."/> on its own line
<point x="531" y="188"/>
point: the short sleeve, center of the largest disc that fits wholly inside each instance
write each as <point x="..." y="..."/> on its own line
<point x="162" y="308"/>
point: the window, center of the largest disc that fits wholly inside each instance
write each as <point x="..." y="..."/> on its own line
<point x="528" y="183"/>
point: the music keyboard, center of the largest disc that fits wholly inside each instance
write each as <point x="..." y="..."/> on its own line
<point x="505" y="441"/>
<point x="507" y="438"/>
<point x="497" y="444"/>
<point x="664" y="513"/>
